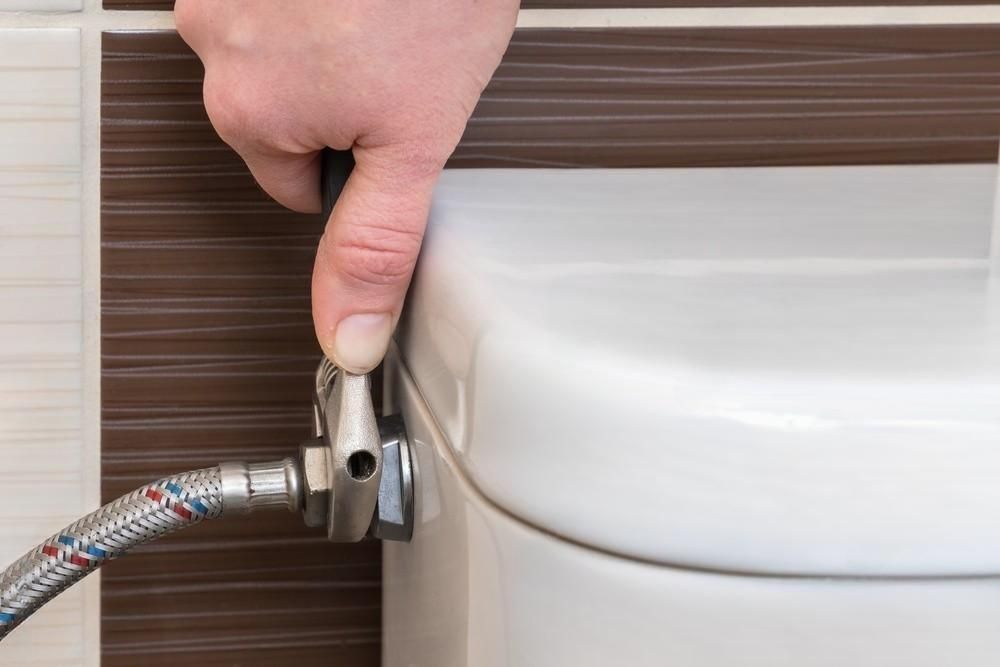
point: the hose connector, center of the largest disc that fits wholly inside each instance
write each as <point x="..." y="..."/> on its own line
<point x="248" y="487"/>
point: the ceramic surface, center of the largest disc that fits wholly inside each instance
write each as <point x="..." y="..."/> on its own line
<point x="782" y="370"/>
<point x="478" y="588"/>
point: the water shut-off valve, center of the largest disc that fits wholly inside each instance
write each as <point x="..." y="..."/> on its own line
<point x="357" y="474"/>
<point x="355" y="477"/>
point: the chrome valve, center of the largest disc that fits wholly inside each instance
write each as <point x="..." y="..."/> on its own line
<point x="357" y="475"/>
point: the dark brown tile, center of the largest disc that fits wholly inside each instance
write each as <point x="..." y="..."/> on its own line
<point x="703" y="97"/>
<point x="690" y="97"/>
<point x="138" y="4"/>
<point x="208" y="353"/>
<point x="207" y="343"/>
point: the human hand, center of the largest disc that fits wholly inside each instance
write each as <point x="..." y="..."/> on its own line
<point x="396" y="80"/>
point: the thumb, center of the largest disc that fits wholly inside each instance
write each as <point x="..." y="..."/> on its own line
<point x="367" y="254"/>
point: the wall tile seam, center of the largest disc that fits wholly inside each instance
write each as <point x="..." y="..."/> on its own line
<point x="96" y="18"/>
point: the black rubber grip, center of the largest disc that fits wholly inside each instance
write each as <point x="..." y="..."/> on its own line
<point x="337" y="166"/>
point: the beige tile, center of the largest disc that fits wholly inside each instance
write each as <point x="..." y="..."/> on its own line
<point x="42" y="477"/>
<point x="41" y="5"/>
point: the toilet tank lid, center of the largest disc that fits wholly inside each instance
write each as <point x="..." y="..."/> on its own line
<point x="771" y="370"/>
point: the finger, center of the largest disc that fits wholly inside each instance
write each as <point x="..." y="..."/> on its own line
<point x="289" y="178"/>
<point x="366" y="257"/>
<point x="197" y="21"/>
<point x="188" y="22"/>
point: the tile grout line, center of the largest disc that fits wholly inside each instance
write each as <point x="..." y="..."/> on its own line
<point x="90" y="216"/>
<point x="746" y="17"/>
<point x="96" y="17"/>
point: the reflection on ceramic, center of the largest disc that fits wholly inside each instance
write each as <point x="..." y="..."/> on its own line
<point x="477" y="588"/>
<point x="790" y="370"/>
<point x="41" y="481"/>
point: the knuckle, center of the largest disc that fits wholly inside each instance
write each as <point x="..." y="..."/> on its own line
<point x="229" y="115"/>
<point x="425" y="157"/>
<point x="186" y="17"/>
<point x="370" y="256"/>
<point x="419" y="160"/>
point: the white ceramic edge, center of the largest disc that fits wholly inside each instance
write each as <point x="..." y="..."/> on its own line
<point x="478" y="588"/>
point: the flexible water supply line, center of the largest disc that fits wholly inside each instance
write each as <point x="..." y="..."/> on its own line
<point x="142" y="516"/>
<point x="354" y="477"/>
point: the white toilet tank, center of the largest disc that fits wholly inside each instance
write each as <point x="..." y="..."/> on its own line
<point x="702" y="417"/>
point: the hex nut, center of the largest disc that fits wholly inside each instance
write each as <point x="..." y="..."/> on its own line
<point x="315" y="483"/>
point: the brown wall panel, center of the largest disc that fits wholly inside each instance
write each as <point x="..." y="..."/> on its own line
<point x="755" y="96"/>
<point x="207" y="343"/>
<point x="699" y="97"/>
<point x="208" y="354"/>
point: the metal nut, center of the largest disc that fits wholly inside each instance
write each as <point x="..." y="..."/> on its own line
<point x="394" y="515"/>
<point x="316" y="483"/>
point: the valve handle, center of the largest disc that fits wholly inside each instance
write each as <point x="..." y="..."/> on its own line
<point x="335" y="169"/>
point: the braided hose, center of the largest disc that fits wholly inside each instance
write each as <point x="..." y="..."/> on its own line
<point x="142" y="516"/>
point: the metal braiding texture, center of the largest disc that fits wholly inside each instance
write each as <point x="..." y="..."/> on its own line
<point x="144" y="515"/>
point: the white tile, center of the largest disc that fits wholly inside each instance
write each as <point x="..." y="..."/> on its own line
<point x="41" y="5"/>
<point x="41" y="329"/>
<point x="59" y="625"/>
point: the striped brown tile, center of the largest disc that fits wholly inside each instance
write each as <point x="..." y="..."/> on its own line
<point x="775" y="96"/>
<point x="703" y="97"/>
<point x="207" y="342"/>
<point x="207" y="356"/>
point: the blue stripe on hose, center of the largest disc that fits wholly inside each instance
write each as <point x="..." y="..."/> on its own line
<point x="6" y="618"/>
<point x="198" y="505"/>
<point x="96" y="551"/>
<point x="68" y="541"/>
<point x="173" y="488"/>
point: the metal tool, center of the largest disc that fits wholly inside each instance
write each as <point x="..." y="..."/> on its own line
<point x="357" y="472"/>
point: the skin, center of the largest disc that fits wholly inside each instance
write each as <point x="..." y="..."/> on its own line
<point x="394" y="80"/>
